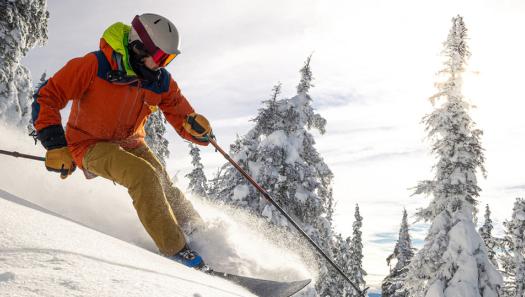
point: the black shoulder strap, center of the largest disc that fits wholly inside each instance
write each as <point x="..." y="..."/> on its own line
<point x="114" y="76"/>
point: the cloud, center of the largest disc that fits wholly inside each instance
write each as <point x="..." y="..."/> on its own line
<point x="344" y="150"/>
<point x="419" y="227"/>
<point x="325" y="96"/>
<point x="390" y="238"/>
<point x="418" y="243"/>
<point x="418" y="233"/>
<point x="384" y="238"/>
<point x="381" y="157"/>
<point x="385" y="203"/>
<point x="336" y="130"/>
<point x="516" y="187"/>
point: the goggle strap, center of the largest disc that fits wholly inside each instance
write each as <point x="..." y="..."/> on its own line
<point x="143" y="34"/>
<point x="159" y="56"/>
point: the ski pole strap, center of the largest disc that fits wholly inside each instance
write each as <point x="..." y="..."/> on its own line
<point x="19" y="155"/>
<point x="284" y="213"/>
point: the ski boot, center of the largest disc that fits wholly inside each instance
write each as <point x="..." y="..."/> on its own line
<point x="190" y="258"/>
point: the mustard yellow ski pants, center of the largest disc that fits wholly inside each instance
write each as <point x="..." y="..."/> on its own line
<point x="160" y="205"/>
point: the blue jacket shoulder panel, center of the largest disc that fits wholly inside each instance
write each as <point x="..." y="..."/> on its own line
<point x="35" y="106"/>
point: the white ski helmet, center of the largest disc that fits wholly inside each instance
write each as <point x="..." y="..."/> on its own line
<point x="158" y="35"/>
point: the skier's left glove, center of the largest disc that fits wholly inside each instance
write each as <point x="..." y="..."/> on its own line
<point x="198" y="127"/>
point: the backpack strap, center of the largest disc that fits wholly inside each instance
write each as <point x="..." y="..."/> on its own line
<point x="113" y="76"/>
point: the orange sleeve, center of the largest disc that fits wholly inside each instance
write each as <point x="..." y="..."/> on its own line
<point x="69" y="83"/>
<point x="176" y="108"/>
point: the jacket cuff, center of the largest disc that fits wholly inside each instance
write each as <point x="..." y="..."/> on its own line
<point x="196" y="141"/>
<point x="52" y="137"/>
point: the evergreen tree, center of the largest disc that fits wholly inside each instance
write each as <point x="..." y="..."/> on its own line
<point x="393" y="284"/>
<point x="198" y="182"/>
<point x="306" y="77"/>
<point x="486" y="233"/>
<point x="453" y="260"/>
<point x="155" y="130"/>
<point x="356" y="271"/>
<point x="23" y="25"/>
<point x="342" y="250"/>
<point x="513" y="257"/>
<point x="279" y="154"/>
<point x="269" y="114"/>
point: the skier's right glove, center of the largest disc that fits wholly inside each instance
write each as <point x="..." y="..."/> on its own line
<point x="60" y="160"/>
<point x="198" y="127"/>
<point x="58" y="157"/>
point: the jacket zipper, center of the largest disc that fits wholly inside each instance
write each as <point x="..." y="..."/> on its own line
<point x="134" y="123"/>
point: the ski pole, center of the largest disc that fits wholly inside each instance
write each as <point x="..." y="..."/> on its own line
<point x="269" y="198"/>
<point x="19" y="155"/>
<point x="87" y="174"/>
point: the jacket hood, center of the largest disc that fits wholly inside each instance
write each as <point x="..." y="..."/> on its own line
<point x="116" y="36"/>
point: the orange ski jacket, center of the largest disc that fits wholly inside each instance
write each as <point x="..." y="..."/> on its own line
<point x="106" y="106"/>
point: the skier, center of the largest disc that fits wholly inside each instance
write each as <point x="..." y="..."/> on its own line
<point x="113" y="91"/>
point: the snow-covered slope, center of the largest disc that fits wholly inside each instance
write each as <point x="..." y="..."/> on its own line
<point x="45" y="255"/>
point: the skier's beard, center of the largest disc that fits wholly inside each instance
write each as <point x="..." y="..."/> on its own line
<point x="143" y="72"/>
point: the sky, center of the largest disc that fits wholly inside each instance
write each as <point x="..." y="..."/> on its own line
<point x="374" y="64"/>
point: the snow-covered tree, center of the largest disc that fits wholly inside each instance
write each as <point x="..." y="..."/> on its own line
<point x="513" y="257"/>
<point x="23" y="25"/>
<point x="306" y="78"/>
<point x="269" y="114"/>
<point x="279" y="153"/>
<point x="394" y="284"/>
<point x="453" y="260"/>
<point x="485" y="232"/>
<point x="342" y="251"/>
<point x="198" y="182"/>
<point x="155" y="130"/>
<point x="355" y="270"/>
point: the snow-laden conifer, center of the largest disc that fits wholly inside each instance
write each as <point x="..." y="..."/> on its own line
<point x="269" y="114"/>
<point x="279" y="153"/>
<point x="355" y="270"/>
<point x="306" y="78"/>
<point x="23" y="25"/>
<point x="342" y="251"/>
<point x="198" y="183"/>
<point x="485" y="232"/>
<point x="453" y="260"/>
<point x="513" y="256"/>
<point x="394" y="284"/>
<point x="155" y="130"/>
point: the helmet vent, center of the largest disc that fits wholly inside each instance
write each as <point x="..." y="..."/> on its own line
<point x="155" y="22"/>
<point x="169" y="27"/>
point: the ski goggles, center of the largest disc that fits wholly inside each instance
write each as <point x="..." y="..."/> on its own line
<point x="160" y="57"/>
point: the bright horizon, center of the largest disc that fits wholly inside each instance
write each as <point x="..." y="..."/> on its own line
<point x="374" y="65"/>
